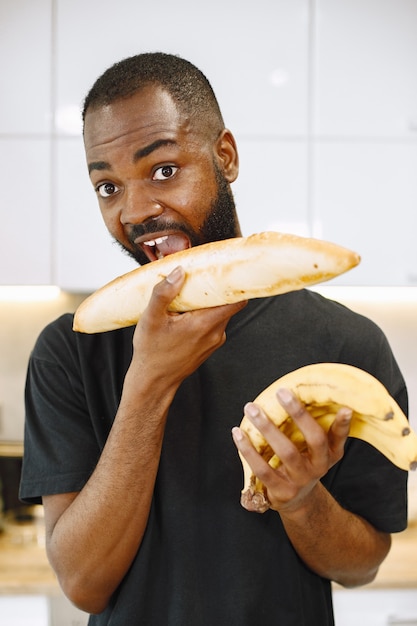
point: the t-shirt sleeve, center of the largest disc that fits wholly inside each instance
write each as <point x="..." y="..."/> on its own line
<point x="370" y="486"/>
<point x="61" y="450"/>
<point x="365" y="481"/>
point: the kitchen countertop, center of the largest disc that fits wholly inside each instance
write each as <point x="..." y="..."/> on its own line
<point x="24" y="568"/>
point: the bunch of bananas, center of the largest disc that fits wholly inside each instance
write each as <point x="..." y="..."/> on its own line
<point x="324" y="388"/>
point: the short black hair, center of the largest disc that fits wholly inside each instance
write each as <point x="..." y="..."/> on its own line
<point x="186" y="84"/>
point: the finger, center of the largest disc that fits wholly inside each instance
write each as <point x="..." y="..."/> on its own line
<point x="165" y="291"/>
<point x="339" y="432"/>
<point x="221" y="312"/>
<point x="281" y="445"/>
<point x="259" y="466"/>
<point x="314" y="435"/>
<point x="280" y="488"/>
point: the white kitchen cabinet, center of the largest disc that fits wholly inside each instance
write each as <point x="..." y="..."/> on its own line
<point x="40" y="610"/>
<point x="254" y="54"/>
<point x="365" y="198"/>
<point x="26" y="234"/>
<point x="25" y="66"/>
<point x="23" y="610"/>
<point x="25" y="123"/>
<point x="271" y="189"/>
<point x="375" y="607"/>
<point x="85" y="256"/>
<point x="365" y="68"/>
<point x="321" y="96"/>
<point x="364" y="135"/>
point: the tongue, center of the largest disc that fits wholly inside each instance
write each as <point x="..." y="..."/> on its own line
<point x="174" y="243"/>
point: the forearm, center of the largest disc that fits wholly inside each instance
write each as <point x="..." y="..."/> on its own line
<point x="333" y="542"/>
<point x="95" y="539"/>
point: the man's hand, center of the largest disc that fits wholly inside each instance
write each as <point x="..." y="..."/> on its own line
<point x="173" y="345"/>
<point x="333" y="542"/>
<point x="290" y="484"/>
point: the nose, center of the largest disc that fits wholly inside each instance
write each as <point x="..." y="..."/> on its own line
<point x="139" y="205"/>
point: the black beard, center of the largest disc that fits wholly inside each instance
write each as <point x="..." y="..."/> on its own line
<point x="221" y="223"/>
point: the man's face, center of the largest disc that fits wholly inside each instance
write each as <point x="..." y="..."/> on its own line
<point x="163" y="184"/>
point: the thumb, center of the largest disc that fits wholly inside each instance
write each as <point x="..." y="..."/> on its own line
<point x="176" y="276"/>
<point x="165" y="291"/>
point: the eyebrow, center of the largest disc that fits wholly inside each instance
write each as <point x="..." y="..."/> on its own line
<point x="144" y="152"/>
<point x="98" y="165"/>
<point x="139" y="154"/>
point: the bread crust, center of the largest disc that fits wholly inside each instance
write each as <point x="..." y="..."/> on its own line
<point x="221" y="272"/>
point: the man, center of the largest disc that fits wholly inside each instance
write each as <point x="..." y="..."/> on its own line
<point x="128" y="433"/>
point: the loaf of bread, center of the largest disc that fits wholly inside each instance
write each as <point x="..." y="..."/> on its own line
<point x="261" y="265"/>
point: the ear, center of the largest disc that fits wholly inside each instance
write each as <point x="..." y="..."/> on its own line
<point x="227" y="155"/>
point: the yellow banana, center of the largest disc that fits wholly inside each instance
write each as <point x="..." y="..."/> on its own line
<point x="324" y="388"/>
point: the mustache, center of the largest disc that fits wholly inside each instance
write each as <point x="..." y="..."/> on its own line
<point x="157" y="226"/>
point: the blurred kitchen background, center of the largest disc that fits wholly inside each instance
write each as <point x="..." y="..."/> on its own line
<point x="322" y="98"/>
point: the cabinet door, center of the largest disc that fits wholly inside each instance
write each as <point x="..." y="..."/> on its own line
<point x="375" y="607"/>
<point x="85" y="255"/>
<point x="365" y="74"/>
<point x="365" y="199"/>
<point x="25" y="251"/>
<point x="23" y="610"/>
<point x="364" y="124"/>
<point x="254" y="54"/>
<point x="271" y="190"/>
<point x="25" y="66"/>
<point x="25" y="121"/>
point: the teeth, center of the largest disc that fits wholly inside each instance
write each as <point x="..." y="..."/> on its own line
<point x="155" y="242"/>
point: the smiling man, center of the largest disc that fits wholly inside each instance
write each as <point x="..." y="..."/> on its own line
<point x="173" y="191"/>
<point x="128" y="433"/>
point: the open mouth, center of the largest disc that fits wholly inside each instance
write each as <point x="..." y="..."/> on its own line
<point x="164" y="245"/>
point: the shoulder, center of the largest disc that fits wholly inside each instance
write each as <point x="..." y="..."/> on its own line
<point x="55" y="335"/>
<point x="58" y="340"/>
<point x="349" y="337"/>
<point x="311" y="309"/>
<point x="338" y="318"/>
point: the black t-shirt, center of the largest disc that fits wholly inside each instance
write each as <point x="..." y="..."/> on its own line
<point x="205" y="560"/>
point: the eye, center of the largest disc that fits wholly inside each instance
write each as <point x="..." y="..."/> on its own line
<point x="164" y="172"/>
<point x="105" y="190"/>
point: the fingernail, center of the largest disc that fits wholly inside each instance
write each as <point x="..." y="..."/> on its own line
<point x="346" y="414"/>
<point x="175" y="275"/>
<point x="284" y="395"/>
<point x="237" y="433"/>
<point x="251" y="410"/>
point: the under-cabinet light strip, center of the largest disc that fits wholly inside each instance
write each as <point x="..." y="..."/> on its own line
<point x="388" y="295"/>
<point x="28" y="293"/>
